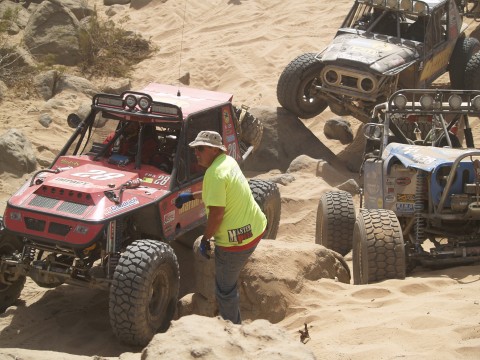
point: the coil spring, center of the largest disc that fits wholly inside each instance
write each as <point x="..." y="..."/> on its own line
<point x="29" y="253"/>
<point x="419" y="207"/>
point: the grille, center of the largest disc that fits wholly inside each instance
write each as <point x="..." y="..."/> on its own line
<point x="72" y="208"/>
<point x="43" y="202"/>
<point x="34" y="224"/>
<point x="58" y="229"/>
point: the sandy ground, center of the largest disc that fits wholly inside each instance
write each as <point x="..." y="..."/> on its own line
<point x="242" y="47"/>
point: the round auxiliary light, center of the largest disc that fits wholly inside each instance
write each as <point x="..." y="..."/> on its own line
<point x="455" y="101"/>
<point x="420" y="8"/>
<point x="392" y="4"/>
<point x="476" y="103"/>
<point x="131" y="101"/>
<point x="400" y="101"/>
<point x="426" y="101"/>
<point x="406" y="5"/>
<point x="144" y="103"/>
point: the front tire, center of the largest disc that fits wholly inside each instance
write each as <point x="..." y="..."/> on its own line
<point x="335" y="221"/>
<point x="144" y="291"/>
<point x="378" y="248"/>
<point x="9" y="293"/>
<point x="296" y="88"/>
<point x="267" y="196"/>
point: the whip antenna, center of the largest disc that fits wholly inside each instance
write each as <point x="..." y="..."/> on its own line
<point x="181" y="47"/>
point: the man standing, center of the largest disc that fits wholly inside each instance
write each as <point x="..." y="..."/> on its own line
<point x="235" y="220"/>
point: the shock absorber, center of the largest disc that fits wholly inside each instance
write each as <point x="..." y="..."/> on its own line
<point x="419" y="207"/>
<point x="114" y="237"/>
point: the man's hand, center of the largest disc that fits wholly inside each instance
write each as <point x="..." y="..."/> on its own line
<point x="205" y="248"/>
<point x="182" y="199"/>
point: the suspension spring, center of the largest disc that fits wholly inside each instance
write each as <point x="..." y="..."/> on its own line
<point x="28" y="253"/>
<point x="419" y="207"/>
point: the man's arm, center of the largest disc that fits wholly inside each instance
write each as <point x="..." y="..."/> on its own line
<point x="215" y="218"/>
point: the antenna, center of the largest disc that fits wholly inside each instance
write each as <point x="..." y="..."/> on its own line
<point x="181" y="46"/>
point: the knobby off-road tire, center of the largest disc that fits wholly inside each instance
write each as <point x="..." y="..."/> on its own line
<point x="472" y="73"/>
<point x="144" y="291"/>
<point x="462" y="53"/>
<point x="378" y="248"/>
<point x="296" y="90"/>
<point x="267" y="196"/>
<point x="251" y="128"/>
<point x="335" y="221"/>
<point x="10" y="293"/>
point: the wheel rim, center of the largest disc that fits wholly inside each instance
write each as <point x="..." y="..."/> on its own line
<point x="309" y="97"/>
<point x="159" y="296"/>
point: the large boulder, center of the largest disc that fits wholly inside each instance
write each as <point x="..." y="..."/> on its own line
<point x="16" y="153"/>
<point x="53" y="31"/>
<point x="197" y="337"/>
<point x="275" y="271"/>
<point x="278" y="147"/>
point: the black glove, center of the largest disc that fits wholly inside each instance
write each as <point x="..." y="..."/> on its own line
<point x="182" y="199"/>
<point x="205" y="248"/>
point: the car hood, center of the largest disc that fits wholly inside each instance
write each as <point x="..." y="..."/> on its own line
<point x="88" y="192"/>
<point x="362" y="52"/>
<point x="426" y="158"/>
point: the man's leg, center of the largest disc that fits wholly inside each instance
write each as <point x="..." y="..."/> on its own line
<point x="227" y="270"/>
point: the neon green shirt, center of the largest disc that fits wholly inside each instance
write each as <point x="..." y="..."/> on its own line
<point x="225" y="185"/>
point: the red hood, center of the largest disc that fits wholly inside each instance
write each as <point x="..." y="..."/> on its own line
<point x="87" y="192"/>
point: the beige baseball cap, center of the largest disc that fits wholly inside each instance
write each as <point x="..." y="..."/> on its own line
<point x="208" y="138"/>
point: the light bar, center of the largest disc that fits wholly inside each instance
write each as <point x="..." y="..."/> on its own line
<point x="164" y="109"/>
<point x="108" y="101"/>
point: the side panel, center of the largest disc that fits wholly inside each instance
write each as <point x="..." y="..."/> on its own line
<point x="229" y="134"/>
<point x="399" y="187"/>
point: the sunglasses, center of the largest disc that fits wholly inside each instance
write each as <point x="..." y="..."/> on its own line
<point x="200" y="148"/>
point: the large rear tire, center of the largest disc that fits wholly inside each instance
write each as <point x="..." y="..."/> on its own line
<point x="267" y="196"/>
<point x="335" y="221"/>
<point x="378" y="248"/>
<point x="472" y="73"/>
<point x="9" y="293"/>
<point x="296" y="88"/>
<point x="144" y="291"/>
<point x="464" y="49"/>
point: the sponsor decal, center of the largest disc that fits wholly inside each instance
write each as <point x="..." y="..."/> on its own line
<point x="390" y="190"/>
<point x="390" y="181"/>
<point x="390" y="198"/>
<point x="147" y="180"/>
<point x="69" y="162"/>
<point x="403" y="181"/>
<point x="404" y="207"/>
<point x="189" y="205"/>
<point x="226" y="117"/>
<point x="169" y="217"/>
<point x="72" y="182"/>
<point x="124" y="205"/>
<point x="240" y="234"/>
<point x="410" y="198"/>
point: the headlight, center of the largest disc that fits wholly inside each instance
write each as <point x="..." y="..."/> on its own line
<point x="367" y="84"/>
<point x="455" y="101"/>
<point x="420" y="8"/>
<point x="392" y="4"/>
<point x="331" y="77"/>
<point x="406" y="5"/>
<point x="131" y="101"/>
<point x="476" y="103"/>
<point x="400" y="101"/>
<point x="426" y="101"/>
<point x="144" y="103"/>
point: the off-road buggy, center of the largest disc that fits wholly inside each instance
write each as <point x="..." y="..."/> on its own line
<point x="421" y="198"/>
<point x="382" y="46"/>
<point x="95" y="218"/>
